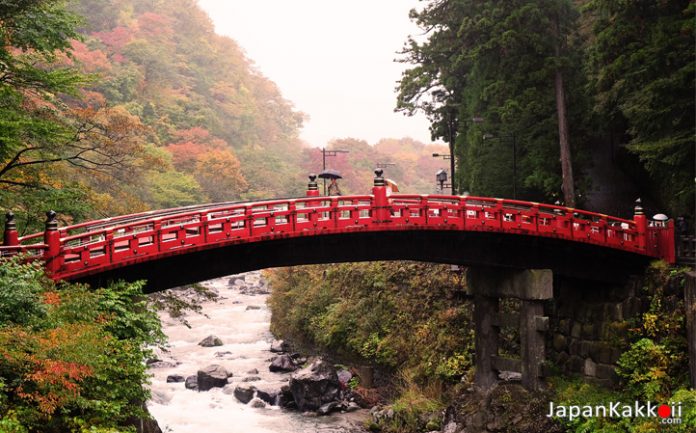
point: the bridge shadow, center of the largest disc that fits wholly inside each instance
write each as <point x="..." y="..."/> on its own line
<point x="575" y="260"/>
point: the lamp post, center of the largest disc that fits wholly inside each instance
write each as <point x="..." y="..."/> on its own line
<point x="441" y="172"/>
<point x="324" y="154"/>
<point x="441" y="178"/>
<point x="514" y="157"/>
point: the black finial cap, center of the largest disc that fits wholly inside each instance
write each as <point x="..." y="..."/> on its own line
<point x="379" y="180"/>
<point x="312" y="185"/>
<point x="10" y="221"/>
<point x="51" y="223"/>
<point x="638" y="210"/>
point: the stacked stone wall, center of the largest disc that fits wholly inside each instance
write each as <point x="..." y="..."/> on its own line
<point x="590" y="325"/>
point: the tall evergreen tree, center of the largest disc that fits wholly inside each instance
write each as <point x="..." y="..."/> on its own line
<point x="641" y="63"/>
<point x="497" y="66"/>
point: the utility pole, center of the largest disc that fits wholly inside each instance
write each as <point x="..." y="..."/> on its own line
<point x="324" y="154"/>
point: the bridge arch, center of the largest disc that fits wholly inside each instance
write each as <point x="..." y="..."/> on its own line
<point x="177" y="246"/>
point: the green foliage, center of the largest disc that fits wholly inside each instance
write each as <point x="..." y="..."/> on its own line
<point x="644" y="367"/>
<point x="656" y="363"/>
<point x="576" y="392"/>
<point x="407" y="317"/>
<point x="73" y="358"/>
<point x="641" y="64"/>
<point x="395" y="314"/>
<point x="21" y="286"/>
<point x="488" y="69"/>
<point x="417" y="408"/>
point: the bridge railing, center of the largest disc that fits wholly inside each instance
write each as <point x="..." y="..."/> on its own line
<point x="119" y="241"/>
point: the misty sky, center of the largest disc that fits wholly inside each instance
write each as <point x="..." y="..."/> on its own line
<point x="332" y="59"/>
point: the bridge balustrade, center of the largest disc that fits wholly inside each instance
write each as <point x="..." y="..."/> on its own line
<point x="127" y="239"/>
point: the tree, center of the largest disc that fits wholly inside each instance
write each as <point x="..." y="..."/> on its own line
<point x="219" y="174"/>
<point x="641" y="63"/>
<point x="51" y="127"/>
<point x="493" y="69"/>
<point x="71" y="359"/>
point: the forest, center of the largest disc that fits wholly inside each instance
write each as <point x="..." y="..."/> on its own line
<point x="563" y="82"/>
<point x="117" y="107"/>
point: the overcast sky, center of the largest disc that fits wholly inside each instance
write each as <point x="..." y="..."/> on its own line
<point x="332" y="59"/>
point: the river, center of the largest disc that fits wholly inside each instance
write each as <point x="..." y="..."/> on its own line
<point x="241" y="320"/>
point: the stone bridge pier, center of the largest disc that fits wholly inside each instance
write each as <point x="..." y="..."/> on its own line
<point x="532" y="288"/>
<point x="575" y="326"/>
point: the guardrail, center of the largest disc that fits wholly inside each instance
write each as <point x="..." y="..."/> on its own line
<point x="108" y="243"/>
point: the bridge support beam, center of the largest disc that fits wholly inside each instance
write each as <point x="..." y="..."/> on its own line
<point x="690" y="305"/>
<point x="532" y="287"/>
<point x="486" y="340"/>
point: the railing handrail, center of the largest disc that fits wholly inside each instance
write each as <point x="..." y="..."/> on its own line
<point x="119" y="240"/>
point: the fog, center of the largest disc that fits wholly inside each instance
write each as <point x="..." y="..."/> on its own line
<point x="333" y="60"/>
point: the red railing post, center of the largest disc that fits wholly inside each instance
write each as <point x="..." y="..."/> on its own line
<point x="312" y="191"/>
<point x="52" y="258"/>
<point x="10" y="237"/>
<point x="204" y="227"/>
<point x="380" y="205"/>
<point x="157" y="233"/>
<point x="641" y="225"/>
<point x="668" y="250"/>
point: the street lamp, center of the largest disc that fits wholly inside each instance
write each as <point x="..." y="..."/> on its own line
<point x="514" y="157"/>
<point x="440" y="173"/>
<point x="442" y="155"/>
<point x="441" y="178"/>
<point x="324" y="154"/>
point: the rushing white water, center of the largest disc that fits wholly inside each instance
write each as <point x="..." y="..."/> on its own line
<point x="246" y="342"/>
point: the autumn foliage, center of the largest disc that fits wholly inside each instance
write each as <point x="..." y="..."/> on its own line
<point x="71" y="359"/>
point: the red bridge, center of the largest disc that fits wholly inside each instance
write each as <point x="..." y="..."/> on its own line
<point x="178" y="246"/>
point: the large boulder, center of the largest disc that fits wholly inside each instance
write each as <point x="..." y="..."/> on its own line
<point x="244" y="393"/>
<point x="282" y="364"/>
<point x="285" y="398"/>
<point x="268" y="394"/>
<point x="315" y="385"/>
<point x="212" y="376"/>
<point x="210" y="341"/>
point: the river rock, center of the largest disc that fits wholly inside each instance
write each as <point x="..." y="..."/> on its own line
<point x="212" y="376"/>
<point x="191" y="382"/>
<point x="344" y="376"/>
<point x="162" y="364"/>
<point x="251" y="379"/>
<point x="210" y="341"/>
<point x="244" y="393"/>
<point x="253" y="371"/>
<point x="280" y="346"/>
<point x="315" y="385"/>
<point x="352" y="407"/>
<point x="327" y="408"/>
<point x="257" y="403"/>
<point x="285" y="398"/>
<point x="269" y="395"/>
<point x="175" y="378"/>
<point x="282" y="363"/>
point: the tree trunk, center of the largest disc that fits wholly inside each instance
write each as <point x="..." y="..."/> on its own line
<point x="566" y="159"/>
